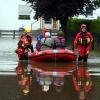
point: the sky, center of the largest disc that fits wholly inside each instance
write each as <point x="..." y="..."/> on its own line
<point x="9" y="16"/>
<point x="97" y="12"/>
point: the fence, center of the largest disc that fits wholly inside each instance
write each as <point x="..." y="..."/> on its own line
<point x="12" y="33"/>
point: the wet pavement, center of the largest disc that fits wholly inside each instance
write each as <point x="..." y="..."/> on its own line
<point x="46" y="81"/>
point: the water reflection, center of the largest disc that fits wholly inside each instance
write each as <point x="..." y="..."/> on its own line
<point x="24" y="75"/>
<point x="71" y="82"/>
<point x="48" y="74"/>
<point x="82" y="80"/>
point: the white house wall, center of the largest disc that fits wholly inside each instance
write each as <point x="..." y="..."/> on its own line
<point x="9" y="16"/>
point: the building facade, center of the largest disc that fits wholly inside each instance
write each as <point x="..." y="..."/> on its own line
<point x="16" y="14"/>
<point x="50" y="23"/>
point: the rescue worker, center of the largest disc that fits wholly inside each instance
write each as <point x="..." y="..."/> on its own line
<point x="26" y="39"/>
<point x="59" y="41"/>
<point x="24" y="44"/>
<point x="21" y="51"/>
<point x="84" y="40"/>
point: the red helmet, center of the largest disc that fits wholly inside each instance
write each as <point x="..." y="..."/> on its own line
<point x="83" y="26"/>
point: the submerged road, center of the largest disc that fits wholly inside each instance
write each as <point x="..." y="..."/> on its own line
<point x="46" y="81"/>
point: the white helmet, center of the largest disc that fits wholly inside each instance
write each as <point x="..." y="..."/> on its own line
<point x="47" y="34"/>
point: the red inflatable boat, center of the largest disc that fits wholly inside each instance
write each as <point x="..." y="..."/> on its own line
<point x="53" y="55"/>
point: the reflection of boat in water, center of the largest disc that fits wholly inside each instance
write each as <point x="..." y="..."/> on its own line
<point x="82" y="80"/>
<point x="65" y="78"/>
<point x="52" y="55"/>
<point x="46" y="74"/>
<point x="24" y="77"/>
<point x="53" y="68"/>
<point x="51" y="73"/>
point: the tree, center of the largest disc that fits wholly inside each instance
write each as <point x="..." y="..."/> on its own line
<point x="61" y="9"/>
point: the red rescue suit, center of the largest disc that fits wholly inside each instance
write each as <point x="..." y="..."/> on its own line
<point x="84" y="42"/>
<point x="81" y="79"/>
<point x="27" y="40"/>
<point x="23" y="45"/>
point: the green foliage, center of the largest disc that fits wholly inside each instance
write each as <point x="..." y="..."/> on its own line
<point x="74" y="24"/>
<point x="95" y="25"/>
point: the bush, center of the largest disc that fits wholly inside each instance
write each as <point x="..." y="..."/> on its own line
<point x="73" y="26"/>
<point x="92" y="25"/>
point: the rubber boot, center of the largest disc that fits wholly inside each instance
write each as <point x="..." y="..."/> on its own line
<point x="80" y="58"/>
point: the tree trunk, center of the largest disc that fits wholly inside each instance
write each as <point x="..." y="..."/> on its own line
<point x="63" y="23"/>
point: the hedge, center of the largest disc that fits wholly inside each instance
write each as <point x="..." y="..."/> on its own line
<point x="74" y="24"/>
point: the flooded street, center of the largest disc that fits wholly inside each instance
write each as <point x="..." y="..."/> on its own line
<point x="46" y="81"/>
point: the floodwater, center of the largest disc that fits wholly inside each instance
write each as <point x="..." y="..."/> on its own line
<point x="45" y="80"/>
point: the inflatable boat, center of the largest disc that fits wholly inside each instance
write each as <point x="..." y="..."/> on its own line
<point x="53" y="55"/>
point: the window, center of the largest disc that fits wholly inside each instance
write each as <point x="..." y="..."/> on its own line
<point x="47" y="21"/>
<point x="24" y="17"/>
<point x="24" y="12"/>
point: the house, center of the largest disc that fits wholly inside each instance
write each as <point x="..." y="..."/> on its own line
<point x="50" y="23"/>
<point x="16" y="14"/>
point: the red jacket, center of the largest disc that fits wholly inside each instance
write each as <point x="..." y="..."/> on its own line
<point x="84" y="42"/>
<point x="82" y="79"/>
<point x="27" y="39"/>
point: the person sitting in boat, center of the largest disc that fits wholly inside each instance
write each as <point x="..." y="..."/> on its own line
<point x="40" y="36"/>
<point x="47" y="42"/>
<point x="59" y="41"/>
<point x="84" y="40"/>
<point x="26" y="39"/>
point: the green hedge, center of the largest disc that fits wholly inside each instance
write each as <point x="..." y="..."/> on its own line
<point x="74" y="24"/>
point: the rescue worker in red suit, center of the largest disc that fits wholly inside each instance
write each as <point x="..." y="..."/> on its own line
<point x="24" y="44"/>
<point x="26" y="38"/>
<point x="84" y="40"/>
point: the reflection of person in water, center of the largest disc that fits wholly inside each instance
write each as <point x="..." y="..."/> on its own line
<point x="45" y="81"/>
<point x="82" y="81"/>
<point x="24" y="76"/>
<point x="58" y="83"/>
